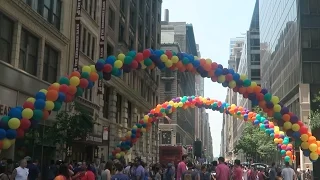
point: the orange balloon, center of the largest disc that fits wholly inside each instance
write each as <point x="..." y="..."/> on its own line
<point x="318" y="150"/>
<point x="289" y="153"/>
<point x="45" y="115"/>
<point x="270" y="113"/>
<point x="152" y="66"/>
<point x="286" y="117"/>
<point x="249" y="90"/>
<point x="53" y="87"/>
<point x="262" y="104"/>
<point x="242" y="90"/>
<point x="75" y="73"/>
<point x="202" y="62"/>
<point x="72" y="90"/>
<point x="94" y="76"/>
<point x="189" y="67"/>
<point x="312" y="139"/>
<point x="179" y="64"/>
<point x="257" y="89"/>
<point x="182" y="69"/>
<point x="207" y="67"/>
<point x="210" y="73"/>
<point x="52" y="95"/>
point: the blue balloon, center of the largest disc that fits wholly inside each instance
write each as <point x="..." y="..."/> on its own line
<point x="111" y="60"/>
<point x="231" y="71"/>
<point x="218" y="72"/>
<point x="40" y="95"/>
<point x="225" y="84"/>
<point x="39" y="104"/>
<point x="3" y="134"/>
<point x="236" y="76"/>
<point x="11" y="134"/>
<point x="196" y="63"/>
<point x="306" y="152"/>
<point x="256" y="122"/>
<point x="15" y="113"/>
<point x="133" y="136"/>
<point x="99" y="66"/>
<point x="61" y="97"/>
<point x="19" y="107"/>
<point x="133" y="131"/>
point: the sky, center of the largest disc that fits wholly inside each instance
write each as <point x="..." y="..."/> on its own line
<point x="214" y="23"/>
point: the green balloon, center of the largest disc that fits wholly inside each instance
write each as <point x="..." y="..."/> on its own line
<point x="277" y="116"/>
<point x="114" y="71"/>
<point x="57" y="106"/>
<point x="100" y="73"/>
<point x="132" y="54"/>
<point x="246" y="83"/>
<point x="267" y="97"/>
<point x="128" y="60"/>
<point x="79" y="91"/>
<point x="37" y="114"/>
<point x="64" y="80"/>
<point x="297" y="142"/>
<point x="85" y="75"/>
<point x="185" y="60"/>
<point x="148" y="62"/>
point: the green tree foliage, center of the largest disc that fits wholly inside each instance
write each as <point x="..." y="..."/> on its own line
<point x="315" y="113"/>
<point x="69" y="127"/>
<point x="255" y="143"/>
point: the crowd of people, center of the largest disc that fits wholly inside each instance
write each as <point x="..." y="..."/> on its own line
<point x="187" y="169"/>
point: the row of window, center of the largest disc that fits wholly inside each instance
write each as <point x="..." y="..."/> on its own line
<point x="91" y="7"/>
<point x="88" y="45"/>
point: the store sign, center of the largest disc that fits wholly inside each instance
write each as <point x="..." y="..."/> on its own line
<point x="94" y="139"/>
<point x="77" y="46"/>
<point x="105" y="134"/>
<point x="102" y="38"/>
<point x="79" y="6"/>
<point x="4" y="109"/>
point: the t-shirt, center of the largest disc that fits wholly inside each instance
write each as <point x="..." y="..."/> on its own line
<point x="287" y="173"/>
<point x="139" y="172"/>
<point x="190" y="175"/>
<point x="205" y="176"/>
<point x="120" y="176"/>
<point x="222" y="172"/>
<point x="89" y="175"/>
<point x="33" y="171"/>
<point x="181" y="169"/>
<point x="237" y="173"/>
<point x="273" y="174"/>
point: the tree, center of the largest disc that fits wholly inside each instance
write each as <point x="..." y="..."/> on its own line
<point x="69" y="127"/>
<point x="315" y="113"/>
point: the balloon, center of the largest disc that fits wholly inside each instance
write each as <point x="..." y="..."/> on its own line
<point x="49" y="105"/>
<point x="74" y="81"/>
<point x="6" y="143"/>
<point x="3" y="134"/>
<point x="295" y="127"/>
<point x="313" y="147"/>
<point x="32" y="100"/>
<point x="14" y="123"/>
<point x="64" y="80"/>
<point x="118" y="64"/>
<point x="52" y="95"/>
<point x="304" y="137"/>
<point x="86" y="69"/>
<point x="314" y="156"/>
<point x="27" y="113"/>
<point x="25" y="123"/>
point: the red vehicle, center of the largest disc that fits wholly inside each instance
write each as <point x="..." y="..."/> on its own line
<point x="169" y="154"/>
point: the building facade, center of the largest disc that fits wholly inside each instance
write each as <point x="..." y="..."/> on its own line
<point x="179" y="37"/>
<point x="41" y="41"/>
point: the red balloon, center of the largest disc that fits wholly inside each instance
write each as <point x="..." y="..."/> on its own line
<point x="45" y="114"/>
<point x="169" y="54"/>
<point x="69" y="98"/>
<point x="107" y="68"/>
<point x="214" y="78"/>
<point x="25" y="124"/>
<point x="214" y="65"/>
<point x="303" y="129"/>
<point x="300" y="123"/>
<point x="134" y="64"/>
<point x="63" y="88"/>
<point x="229" y="77"/>
<point x="139" y="57"/>
<point x="72" y="90"/>
<point x="83" y="83"/>
<point x="245" y="95"/>
<point x="260" y="96"/>
<point x="28" y="104"/>
<point x="146" y="53"/>
<point x="118" y="150"/>
<point x="20" y="133"/>
<point x="236" y="89"/>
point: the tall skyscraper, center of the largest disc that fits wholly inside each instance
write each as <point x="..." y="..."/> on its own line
<point x="178" y="36"/>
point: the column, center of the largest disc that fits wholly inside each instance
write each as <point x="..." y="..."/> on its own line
<point x="16" y="44"/>
<point x="124" y="110"/>
<point x="112" y="118"/>
<point x="42" y="44"/>
<point x="135" y="148"/>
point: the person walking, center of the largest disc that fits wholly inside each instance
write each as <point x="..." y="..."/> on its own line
<point x="273" y="172"/>
<point x="222" y="170"/>
<point x="288" y="173"/>
<point x="107" y="172"/>
<point x="182" y="167"/>
<point x="205" y="175"/>
<point x="21" y="172"/>
<point x="119" y="174"/>
<point x="63" y="173"/>
<point x="237" y="170"/>
<point x="191" y="173"/>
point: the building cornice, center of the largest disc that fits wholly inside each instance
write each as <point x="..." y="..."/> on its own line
<point x="39" y="20"/>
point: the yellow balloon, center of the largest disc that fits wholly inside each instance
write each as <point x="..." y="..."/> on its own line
<point x="146" y="117"/>
<point x="175" y="59"/>
<point x="49" y="105"/>
<point x="209" y="61"/>
<point x="6" y="143"/>
<point x="313" y="147"/>
<point x="305" y="145"/>
<point x="277" y="108"/>
<point x="281" y="132"/>
<point x="232" y="84"/>
<point x="275" y="99"/>
<point x="121" y="57"/>
<point x="164" y="58"/>
<point x="31" y="99"/>
<point x="122" y="153"/>
<point x="276" y="140"/>
<point x="143" y="130"/>
<point x="176" y="105"/>
<point x="118" y="64"/>
<point x="253" y="84"/>
<point x="314" y="156"/>
<point x="14" y="123"/>
<point x="295" y="127"/>
<point x="287" y="125"/>
<point x="27" y="113"/>
<point x="168" y="63"/>
<point x="86" y="69"/>
<point x="233" y="106"/>
<point x="129" y="133"/>
<point x="44" y="91"/>
<point x="304" y="137"/>
<point x="221" y="79"/>
<point x="93" y="68"/>
<point x="180" y="104"/>
<point x="243" y="77"/>
<point x="74" y="81"/>
<point x="118" y="155"/>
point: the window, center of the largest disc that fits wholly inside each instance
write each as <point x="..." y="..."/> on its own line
<point x="306" y="38"/>
<point x="93" y="48"/>
<point x="255" y="42"/>
<point x="50" y="64"/>
<point x="51" y="11"/>
<point x="106" y="99"/>
<point x="315" y="38"/>
<point x="109" y="50"/>
<point x="119" y="108"/>
<point x="122" y="6"/>
<point x="129" y="110"/>
<point x="84" y="39"/>
<point x="167" y="87"/>
<point x="111" y="18"/>
<point x="255" y="59"/>
<point x="88" y="45"/>
<point x="131" y="43"/>
<point x="255" y="73"/>
<point x="88" y="94"/>
<point x="121" y="33"/>
<point x="28" y="59"/>
<point x="5" y="38"/>
<point x="133" y="18"/>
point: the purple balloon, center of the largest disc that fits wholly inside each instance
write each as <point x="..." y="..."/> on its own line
<point x="107" y="76"/>
<point x="225" y="71"/>
<point x="284" y="110"/>
<point x="269" y="105"/>
<point x="220" y="66"/>
<point x="264" y="91"/>
<point x="126" y="68"/>
<point x="294" y="119"/>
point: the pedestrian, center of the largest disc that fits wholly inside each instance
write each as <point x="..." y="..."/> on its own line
<point x="273" y="172"/>
<point x="237" y="170"/>
<point x="119" y="175"/>
<point x="108" y="171"/>
<point x="204" y="175"/>
<point x="288" y="173"/>
<point x="139" y="173"/>
<point x="191" y="173"/>
<point x="245" y="173"/>
<point x="63" y="173"/>
<point x="222" y="170"/>
<point x="169" y="172"/>
<point x="182" y="167"/>
<point x="21" y="172"/>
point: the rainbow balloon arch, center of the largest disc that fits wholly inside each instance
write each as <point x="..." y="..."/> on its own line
<point x="20" y="118"/>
